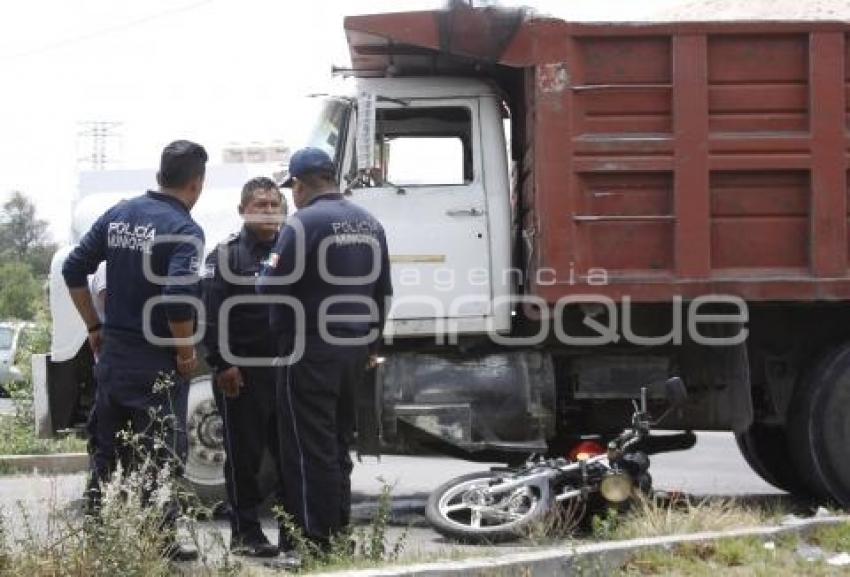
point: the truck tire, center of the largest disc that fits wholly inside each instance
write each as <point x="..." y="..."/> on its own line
<point x="765" y="449"/>
<point x="204" y="471"/>
<point x="819" y="432"/>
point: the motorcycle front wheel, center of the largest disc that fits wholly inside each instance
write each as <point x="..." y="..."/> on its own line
<point x="462" y="509"/>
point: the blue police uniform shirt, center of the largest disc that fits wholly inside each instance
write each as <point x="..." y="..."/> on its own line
<point x="249" y="333"/>
<point x="153" y="225"/>
<point x="350" y="242"/>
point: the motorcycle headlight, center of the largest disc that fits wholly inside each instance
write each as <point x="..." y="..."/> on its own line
<point x="616" y="487"/>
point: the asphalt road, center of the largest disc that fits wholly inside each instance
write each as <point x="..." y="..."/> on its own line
<point x="713" y="467"/>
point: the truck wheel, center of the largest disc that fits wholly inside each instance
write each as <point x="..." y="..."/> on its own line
<point x="204" y="472"/>
<point x="819" y="430"/>
<point x="765" y="448"/>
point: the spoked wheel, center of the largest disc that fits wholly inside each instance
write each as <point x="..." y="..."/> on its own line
<point x="464" y="510"/>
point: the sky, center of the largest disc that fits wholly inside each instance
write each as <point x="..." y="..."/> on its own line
<point x="213" y="71"/>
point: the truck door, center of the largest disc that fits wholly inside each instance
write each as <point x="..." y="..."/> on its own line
<point x="428" y="191"/>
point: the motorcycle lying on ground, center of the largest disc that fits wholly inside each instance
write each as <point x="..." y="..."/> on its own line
<point x="506" y="503"/>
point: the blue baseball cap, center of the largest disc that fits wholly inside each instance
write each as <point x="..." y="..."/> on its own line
<point x="306" y="161"/>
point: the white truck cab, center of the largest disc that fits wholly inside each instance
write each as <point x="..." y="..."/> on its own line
<point x="438" y="181"/>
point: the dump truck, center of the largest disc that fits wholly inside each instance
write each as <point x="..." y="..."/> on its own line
<point x="678" y="205"/>
<point x="576" y="209"/>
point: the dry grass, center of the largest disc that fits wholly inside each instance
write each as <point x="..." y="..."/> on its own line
<point x="651" y="517"/>
<point x="129" y="536"/>
<point x="126" y="541"/>
<point x="131" y="533"/>
<point x="554" y="524"/>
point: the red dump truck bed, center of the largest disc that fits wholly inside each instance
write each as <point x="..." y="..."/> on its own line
<point x="681" y="159"/>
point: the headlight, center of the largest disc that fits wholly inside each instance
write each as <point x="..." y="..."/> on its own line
<point x="616" y="487"/>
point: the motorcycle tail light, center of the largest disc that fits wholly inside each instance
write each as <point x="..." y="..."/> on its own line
<point x="585" y="450"/>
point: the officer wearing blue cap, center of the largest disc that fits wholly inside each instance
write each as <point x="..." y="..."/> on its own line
<point x="331" y="261"/>
<point x="152" y="248"/>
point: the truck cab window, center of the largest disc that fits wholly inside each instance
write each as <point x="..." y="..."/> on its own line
<point x="412" y="161"/>
<point x="425" y="146"/>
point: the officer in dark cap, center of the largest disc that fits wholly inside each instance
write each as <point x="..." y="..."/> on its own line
<point x="244" y="391"/>
<point x="330" y="263"/>
<point x="153" y="250"/>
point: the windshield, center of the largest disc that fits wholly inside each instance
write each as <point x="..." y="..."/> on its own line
<point x="6" y="335"/>
<point x="329" y="131"/>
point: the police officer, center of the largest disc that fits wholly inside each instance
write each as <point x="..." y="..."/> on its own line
<point x="97" y="288"/>
<point x="152" y="248"/>
<point x="331" y="261"/>
<point x="245" y="395"/>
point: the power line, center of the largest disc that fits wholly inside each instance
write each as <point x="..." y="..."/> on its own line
<point x="103" y="31"/>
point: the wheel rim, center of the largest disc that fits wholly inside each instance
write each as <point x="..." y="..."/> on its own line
<point x="469" y="505"/>
<point x="205" y="460"/>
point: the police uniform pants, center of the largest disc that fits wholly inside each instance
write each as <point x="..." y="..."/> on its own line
<point x="250" y="432"/>
<point x="148" y="399"/>
<point x="316" y="425"/>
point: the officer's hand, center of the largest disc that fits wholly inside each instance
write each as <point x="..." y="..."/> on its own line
<point x="186" y="364"/>
<point x="95" y="342"/>
<point x="229" y="382"/>
<point x="372" y="362"/>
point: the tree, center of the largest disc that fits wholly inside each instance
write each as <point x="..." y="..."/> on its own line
<point x="23" y="236"/>
<point x="19" y="291"/>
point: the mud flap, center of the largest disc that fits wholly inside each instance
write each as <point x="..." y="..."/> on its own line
<point x="718" y="380"/>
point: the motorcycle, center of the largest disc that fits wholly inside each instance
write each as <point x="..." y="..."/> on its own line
<point x="504" y="503"/>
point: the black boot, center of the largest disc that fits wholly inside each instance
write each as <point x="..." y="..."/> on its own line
<point x="252" y="546"/>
